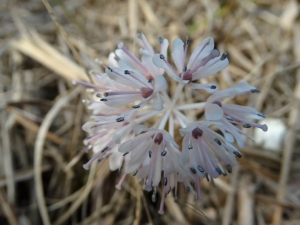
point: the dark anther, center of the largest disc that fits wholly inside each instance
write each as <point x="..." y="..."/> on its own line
<point x="237" y="154"/>
<point x="110" y="69"/>
<point x="169" y="190"/>
<point x="165" y="181"/>
<point x="88" y="138"/>
<point x="136" y="106"/>
<point x="246" y="125"/>
<point x="229" y="118"/>
<point x="262" y="115"/>
<point x="188" y="41"/>
<point x="193" y="170"/>
<point x="120" y="119"/>
<point x="98" y="95"/>
<point x="127" y="72"/>
<point x="160" y="39"/>
<point x="99" y="160"/>
<point x="213" y="87"/>
<point x="187" y="189"/>
<point x="161" y="56"/>
<point x="103" y="100"/>
<point x="190" y="146"/>
<point x="219" y="170"/>
<point x="200" y="168"/>
<point x="150" y="81"/>
<point x="184" y="68"/>
<point x="207" y="178"/>
<point x="255" y="91"/>
<point x="163" y="153"/>
<point x="218" y="141"/>
<point x="104" y="149"/>
<point x="135" y="172"/>
<point x="229" y="168"/>
<point x="224" y="56"/>
<point x="150" y="154"/>
<point x="125" y="153"/>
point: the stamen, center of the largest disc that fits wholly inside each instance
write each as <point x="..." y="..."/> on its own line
<point x="193" y="170"/>
<point x="135" y="172"/>
<point x="213" y="87"/>
<point x="218" y="141"/>
<point x="103" y="100"/>
<point x="207" y="178"/>
<point x="120" y="119"/>
<point x="237" y="154"/>
<point x="150" y="154"/>
<point x="187" y="189"/>
<point x="247" y="125"/>
<point x="255" y="91"/>
<point x="160" y="40"/>
<point x="125" y="153"/>
<point x="165" y="181"/>
<point x="200" y="168"/>
<point x="224" y="56"/>
<point x="229" y="168"/>
<point x="135" y="59"/>
<point x="136" y="106"/>
<point x="164" y="152"/>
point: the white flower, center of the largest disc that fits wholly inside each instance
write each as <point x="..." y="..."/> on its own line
<point x="204" y="61"/>
<point x="230" y="114"/>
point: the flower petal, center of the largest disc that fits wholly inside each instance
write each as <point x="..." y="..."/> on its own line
<point x="140" y="128"/>
<point x="210" y="88"/>
<point x="213" y="112"/>
<point x="212" y="67"/>
<point x="201" y="51"/>
<point x="131" y="144"/>
<point x="158" y="103"/>
<point x="178" y="54"/>
<point x="160" y="84"/>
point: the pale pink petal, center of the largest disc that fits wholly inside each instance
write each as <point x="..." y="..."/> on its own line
<point x="212" y="67"/>
<point x="164" y="48"/>
<point x="231" y="92"/>
<point x="123" y="100"/>
<point x="160" y="84"/>
<point x="131" y="144"/>
<point x="148" y="63"/>
<point x="140" y="128"/>
<point x="122" y="132"/>
<point x="178" y="54"/>
<point x="112" y="60"/>
<point x="187" y="130"/>
<point x="115" y="161"/>
<point x="213" y="112"/>
<point x="120" y="77"/>
<point x="207" y="45"/>
<point x="158" y="103"/>
<point x="145" y="43"/>
<point x="210" y="88"/>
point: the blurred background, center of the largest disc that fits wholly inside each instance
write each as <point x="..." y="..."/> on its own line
<point x="45" y="44"/>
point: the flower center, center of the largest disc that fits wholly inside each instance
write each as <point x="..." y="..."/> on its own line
<point x="146" y="92"/>
<point x="197" y="132"/>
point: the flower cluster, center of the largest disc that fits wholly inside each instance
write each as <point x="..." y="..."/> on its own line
<point x="133" y="92"/>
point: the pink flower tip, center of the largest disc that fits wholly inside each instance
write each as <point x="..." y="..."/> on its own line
<point x="120" y="45"/>
<point x="86" y="166"/>
<point x="118" y="187"/>
<point x="161" y="212"/>
<point x="148" y="188"/>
